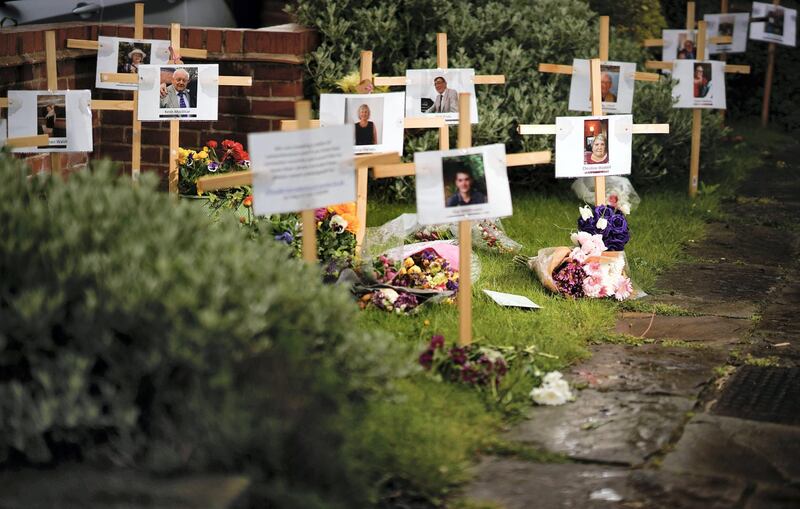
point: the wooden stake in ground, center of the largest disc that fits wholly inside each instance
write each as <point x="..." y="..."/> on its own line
<point x="768" y="79"/>
<point x="464" y="237"/>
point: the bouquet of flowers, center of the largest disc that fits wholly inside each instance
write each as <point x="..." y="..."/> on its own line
<point x="608" y="222"/>
<point x="214" y="158"/>
<point x="470" y="364"/>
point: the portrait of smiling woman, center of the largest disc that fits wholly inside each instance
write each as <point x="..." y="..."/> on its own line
<point x="599" y="152"/>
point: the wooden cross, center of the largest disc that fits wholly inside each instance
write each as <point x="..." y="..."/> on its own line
<point x="603" y="55"/>
<point x="174" y="125"/>
<point x="694" y="164"/>
<point x="597" y="109"/>
<point x="51" y="70"/>
<point x="245" y="178"/>
<point x="768" y="79"/>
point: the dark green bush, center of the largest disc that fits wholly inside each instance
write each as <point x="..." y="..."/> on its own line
<point x="510" y="37"/>
<point x="639" y="19"/>
<point x="133" y="328"/>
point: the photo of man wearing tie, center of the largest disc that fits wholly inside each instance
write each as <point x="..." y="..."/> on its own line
<point x="446" y="100"/>
<point x="177" y="94"/>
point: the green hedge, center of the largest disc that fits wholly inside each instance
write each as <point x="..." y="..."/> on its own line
<point x="509" y="37"/>
<point x="134" y="328"/>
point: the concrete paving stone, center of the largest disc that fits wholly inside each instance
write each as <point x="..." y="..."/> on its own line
<point x="660" y="489"/>
<point x="727" y="308"/>
<point x="76" y="487"/>
<point x="711" y="330"/>
<point x="750" y="244"/>
<point x="770" y="496"/>
<point x="517" y="484"/>
<point x="613" y="427"/>
<point x="726" y="446"/>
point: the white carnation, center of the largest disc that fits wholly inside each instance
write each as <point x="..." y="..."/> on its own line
<point x="554" y="390"/>
<point x="586" y="212"/>
<point x="602" y="223"/>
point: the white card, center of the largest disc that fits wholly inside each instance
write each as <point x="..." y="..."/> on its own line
<point x="301" y="170"/>
<point x="64" y="115"/>
<point x="120" y="55"/>
<point x="377" y="119"/>
<point x="616" y="86"/>
<point x="680" y="45"/>
<point x="593" y="146"/>
<point x="734" y="25"/>
<point x="462" y="184"/>
<point x="3" y="132"/>
<point x="511" y="300"/>
<point x="191" y="92"/>
<point x="773" y="23"/>
<point x="700" y="84"/>
<point x="434" y="92"/>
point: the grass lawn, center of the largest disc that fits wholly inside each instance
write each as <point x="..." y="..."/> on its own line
<point x="462" y="420"/>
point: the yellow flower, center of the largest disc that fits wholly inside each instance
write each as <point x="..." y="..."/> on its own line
<point x="199" y="155"/>
<point x="408" y="262"/>
<point x="414" y="270"/>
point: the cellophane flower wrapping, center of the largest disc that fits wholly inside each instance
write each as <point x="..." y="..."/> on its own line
<point x="619" y="192"/>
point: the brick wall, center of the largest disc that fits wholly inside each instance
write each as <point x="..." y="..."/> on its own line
<point x="272" y="56"/>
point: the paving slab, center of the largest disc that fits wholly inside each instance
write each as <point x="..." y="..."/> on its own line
<point x="660" y="489"/>
<point x="711" y="330"/>
<point x="740" y="243"/>
<point x="76" y="487"/>
<point x="517" y="484"/>
<point x="770" y="496"/>
<point x="612" y="427"/>
<point x="725" y="446"/>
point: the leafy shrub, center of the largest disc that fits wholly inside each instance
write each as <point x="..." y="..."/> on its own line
<point x="510" y="37"/>
<point x="639" y="19"/>
<point x="135" y="328"/>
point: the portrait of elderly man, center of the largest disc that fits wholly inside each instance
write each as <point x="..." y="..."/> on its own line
<point x="177" y="94"/>
<point x="606" y="84"/>
<point x="446" y="100"/>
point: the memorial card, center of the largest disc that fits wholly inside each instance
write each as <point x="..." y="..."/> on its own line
<point x="733" y="25"/>
<point x="462" y="184"/>
<point x="64" y="115"/>
<point x="616" y="86"/>
<point x="377" y="119"/>
<point x="700" y="84"/>
<point x="593" y="146"/>
<point x="116" y="54"/>
<point x="773" y="23"/>
<point x="178" y="92"/>
<point x="3" y="132"/>
<point x="301" y="170"/>
<point x="435" y="92"/>
<point x="680" y="45"/>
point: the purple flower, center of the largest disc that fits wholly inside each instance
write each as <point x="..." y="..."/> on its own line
<point x="285" y="237"/>
<point x="568" y="279"/>
<point x="426" y="359"/>
<point x="615" y="234"/>
<point x="437" y="341"/>
<point x="213" y="166"/>
<point x="320" y="214"/>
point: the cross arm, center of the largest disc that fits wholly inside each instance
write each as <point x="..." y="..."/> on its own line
<point x="401" y="81"/>
<point x="95" y="45"/>
<point x="96" y="104"/>
<point x="717" y="39"/>
<point x="409" y="169"/>
<point x="729" y="69"/>
<point x="567" y="69"/>
<point x="527" y="129"/>
<point x="231" y="81"/>
<point x="28" y="141"/>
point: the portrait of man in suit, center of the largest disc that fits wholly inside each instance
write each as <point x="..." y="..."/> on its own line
<point x="446" y="100"/>
<point x="178" y="93"/>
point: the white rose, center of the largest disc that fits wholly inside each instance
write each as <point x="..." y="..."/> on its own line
<point x="602" y="223"/>
<point x="574" y="238"/>
<point x="389" y="294"/>
<point x="586" y="212"/>
<point x="552" y="376"/>
<point x="547" y="396"/>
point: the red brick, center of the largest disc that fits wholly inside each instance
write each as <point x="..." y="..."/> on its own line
<point x="155" y="137"/>
<point x="148" y="33"/>
<point x="28" y="41"/>
<point x="114" y="134"/>
<point x="233" y="41"/>
<point x="189" y="139"/>
<point x="39" y="41"/>
<point x="225" y="122"/>
<point x="152" y="154"/>
<point x="214" y="41"/>
<point x="125" y="31"/>
<point x="278" y="108"/>
<point x="113" y="117"/>
<point x="240" y="105"/>
<point x="195" y="38"/>
<point x="290" y="89"/>
<point x="161" y="33"/>
<point x="108" y="30"/>
<point x="253" y="125"/>
<point x="278" y="72"/>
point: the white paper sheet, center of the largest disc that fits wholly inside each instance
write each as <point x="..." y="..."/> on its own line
<point x="3" y="132"/>
<point x="511" y="300"/>
<point x="301" y="170"/>
<point x="733" y="24"/>
<point x="709" y="90"/>
<point x="118" y="54"/>
<point x="773" y="23"/>
<point x="383" y="114"/>
<point x="444" y="178"/>
<point x="63" y="114"/>
<point x="202" y="90"/>
<point x="579" y="150"/>
<point x="422" y="97"/>
<point x="680" y="45"/>
<point x="619" y="98"/>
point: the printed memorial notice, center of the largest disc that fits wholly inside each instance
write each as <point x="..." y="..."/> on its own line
<point x="593" y="146"/>
<point x="64" y="115"/>
<point x="178" y="92"/>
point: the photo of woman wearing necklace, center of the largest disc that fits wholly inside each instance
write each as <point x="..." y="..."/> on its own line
<point x="595" y="142"/>
<point x="366" y="132"/>
<point x="367" y="115"/>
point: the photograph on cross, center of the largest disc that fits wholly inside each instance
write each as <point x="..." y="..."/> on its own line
<point x="593" y="146"/>
<point x="681" y="45"/>
<point x="616" y="86"/>
<point x="699" y="84"/>
<point x="733" y="25"/>
<point x="65" y="116"/>
<point x="178" y="91"/>
<point x="377" y="119"/>
<point x="435" y="92"/>
<point x="773" y="23"/>
<point x="121" y="55"/>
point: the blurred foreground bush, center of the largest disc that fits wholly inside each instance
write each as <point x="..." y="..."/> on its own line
<point x="134" y="330"/>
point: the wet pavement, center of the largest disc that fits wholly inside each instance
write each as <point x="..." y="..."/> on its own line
<point x="701" y="412"/>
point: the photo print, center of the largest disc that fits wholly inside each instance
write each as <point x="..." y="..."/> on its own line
<point x="701" y="84"/>
<point x="435" y="92"/>
<point x="65" y="116"/>
<point x="773" y="23"/>
<point x="593" y="146"/>
<point x="301" y="170"/>
<point x="462" y="184"/>
<point x="178" y="92"/>
<point x="733" y="25"/>
<point x="616" y="86"/>
<point x="120" y="55"/>
<point x="680" y="45"/>
<point x="377" y="119"/>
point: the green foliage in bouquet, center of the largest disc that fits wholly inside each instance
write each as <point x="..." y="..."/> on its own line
<point x="509" y="37"/>
<point x="138" y="329"/>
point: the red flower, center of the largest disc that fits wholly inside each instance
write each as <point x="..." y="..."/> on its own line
<point x="248" y="202"/>
<point x="211" y="144"/>
<point x="234" y="150"/>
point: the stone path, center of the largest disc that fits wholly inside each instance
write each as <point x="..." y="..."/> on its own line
<point x="706" y="413"/>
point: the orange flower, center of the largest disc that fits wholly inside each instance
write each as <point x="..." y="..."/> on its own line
<point x="352" y="222"/>
<point x="248" y="201"/>
<point x="345" y="208"/>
